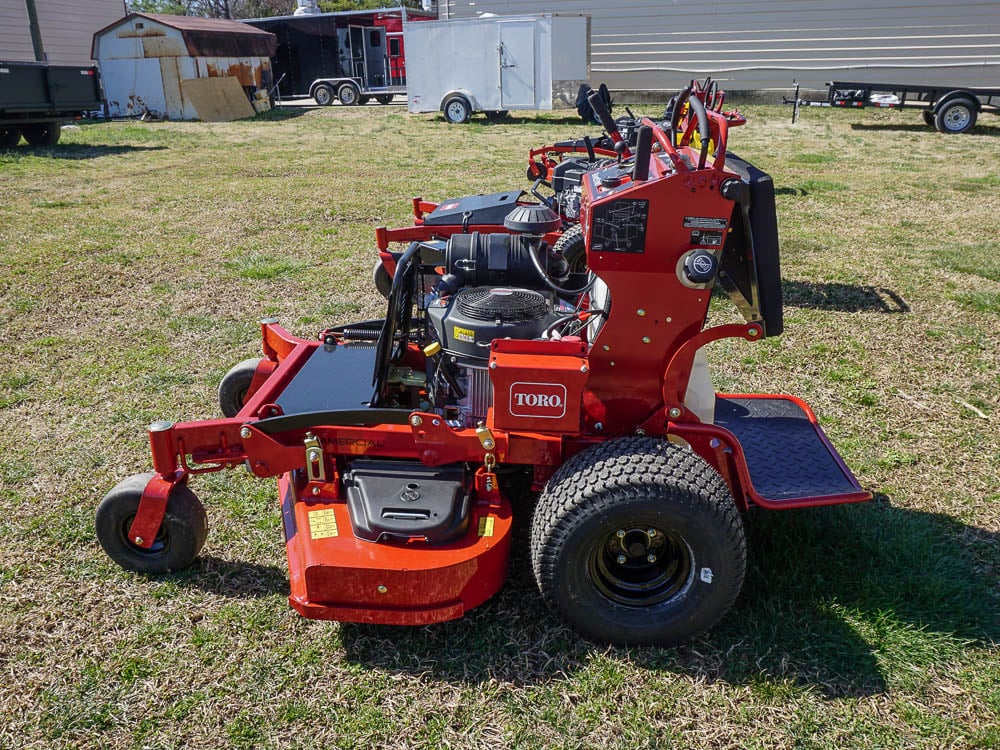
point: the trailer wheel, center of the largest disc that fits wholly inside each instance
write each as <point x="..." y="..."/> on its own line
<point x="956" y="115"/>
<point x="457" y="109"/>
<point x="178" y="542"/>
<point x="573" y="248"/>
<point x="9" y="137"/>
<point x="323" y="94"/>
<point x="349" y="94"/>
<point x="638" y="541"/>
<point x="42" y="134"/>
<point x="384" y="98"/>
<point x="235" y="386"/>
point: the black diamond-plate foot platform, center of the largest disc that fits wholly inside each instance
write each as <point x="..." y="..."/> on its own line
<point x="788" y="456"/>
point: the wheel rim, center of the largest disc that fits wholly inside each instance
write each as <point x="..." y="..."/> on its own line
<point x="348" y="95"/>
<point x="641" y="566"/>
<point x="456" y="111"/>
<point x="157" y="549"/>
<point x="957" y="117"/>
<point x="323" y="95"/>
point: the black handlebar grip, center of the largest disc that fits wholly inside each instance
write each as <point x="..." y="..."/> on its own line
<point x="600" y="108"/>
<point x="643" y="148"/>
<point x="703" y="131"/>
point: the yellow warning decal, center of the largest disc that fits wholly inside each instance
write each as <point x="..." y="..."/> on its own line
<point x="464" y="334"/>
<point x="486" y="526"/>
<point x="322" y="523"/>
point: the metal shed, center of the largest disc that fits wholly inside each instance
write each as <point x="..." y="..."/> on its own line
<point x="147" y="61"/>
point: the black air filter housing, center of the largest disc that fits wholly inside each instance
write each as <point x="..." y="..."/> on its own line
<point x="471" y="319"/>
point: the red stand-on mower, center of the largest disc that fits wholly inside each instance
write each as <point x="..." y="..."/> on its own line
<point x="390" y="438"/>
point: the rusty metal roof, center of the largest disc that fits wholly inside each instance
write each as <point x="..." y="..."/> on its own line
<point x="213" y="37"/>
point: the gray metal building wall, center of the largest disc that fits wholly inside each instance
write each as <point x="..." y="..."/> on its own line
<point x="67" y="28"/>
<point x="658" y="45"/>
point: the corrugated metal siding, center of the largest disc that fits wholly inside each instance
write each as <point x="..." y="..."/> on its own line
<point x="764" y="44"/>
<point x="15" y="37"/>
<point x="68" y="26"/>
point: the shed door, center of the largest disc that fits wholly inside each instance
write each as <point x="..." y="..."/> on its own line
<point x="133" y="87"/>
<point x="517" y="64"/>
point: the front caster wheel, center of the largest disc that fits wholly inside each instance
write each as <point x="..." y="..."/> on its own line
<point x="178" y="541"/>
<point x="638" y="541"/>
<point x="235" y="386"/>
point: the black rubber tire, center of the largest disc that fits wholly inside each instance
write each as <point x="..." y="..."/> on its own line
<point x="637" y="483"/>
<point x="323" y="94"/>
<point x="457" y="110"/>
<point x="9" y="137"/>
<point x="42" y="134"/>
<point x="573" y="248"/>
<point x="956" y="115"/>
<point x="235" y="386"/>
<point x="384" y="98"/>
<point x="364" y="99"/>
<point x="382" y="279"/>
<point x="182" y="533"/>
<point x="349" y="95"/>
<point x="498" y="115"/>
<point x="928" y="115"/>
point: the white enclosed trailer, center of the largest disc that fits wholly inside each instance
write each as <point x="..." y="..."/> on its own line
<point x="496" y="64"/>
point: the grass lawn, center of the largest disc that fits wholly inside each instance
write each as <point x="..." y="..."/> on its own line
<point x="136" y="260"/>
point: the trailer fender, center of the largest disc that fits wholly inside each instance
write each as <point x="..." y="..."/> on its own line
<point x="958" y="94"/>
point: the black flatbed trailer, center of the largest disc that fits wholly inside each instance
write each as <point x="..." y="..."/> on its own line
<point x="37" y="97"/>
<point x="948" y="109"/>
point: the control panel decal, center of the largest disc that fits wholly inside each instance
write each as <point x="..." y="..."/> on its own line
<point x="620" y="226"/>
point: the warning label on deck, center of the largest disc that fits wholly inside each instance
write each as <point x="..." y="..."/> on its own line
<point x="322" y="524"/>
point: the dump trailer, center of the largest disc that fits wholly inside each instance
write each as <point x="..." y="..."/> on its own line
<point x="496" y="64"/>
<point x="36" y="98"/>
<point x="351" y="56"/>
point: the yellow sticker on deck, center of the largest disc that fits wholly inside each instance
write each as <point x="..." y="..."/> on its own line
<point x="322" y="523"/>
<point x="486" y="526"/>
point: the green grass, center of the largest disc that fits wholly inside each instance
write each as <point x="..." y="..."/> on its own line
<point x="137" y="259"/>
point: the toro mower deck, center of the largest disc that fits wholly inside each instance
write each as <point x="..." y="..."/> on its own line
<point x="518" y="338"/>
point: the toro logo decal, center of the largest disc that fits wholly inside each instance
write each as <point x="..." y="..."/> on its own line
<point x="545" y="400"/>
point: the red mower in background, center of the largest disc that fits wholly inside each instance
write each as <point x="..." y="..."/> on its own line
<point x="392" y="439"/>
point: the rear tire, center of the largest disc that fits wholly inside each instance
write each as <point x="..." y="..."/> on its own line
<point x="181" y="535"/>
<point x="42" y="134"/>
<point x="323" y="94"/>
<point x="349" y="94"/>
<point x="573" y="248"/>
<point x="234" y="388"/>
<point x="956" y="115"/>
<point x="638" y="541"/>
<point x="9" y="137"/>
<point x="384" y="98"/>
<point x="457" y="110"/>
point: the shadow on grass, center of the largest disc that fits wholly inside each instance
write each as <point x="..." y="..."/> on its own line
<point x="910" y="128"/>
<point x="839" y="600"/>
<point x="842" y="297"/>
<point x="281" y="113"/>
<point x="78" y="151"/>
<point x="237" y="580"/>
